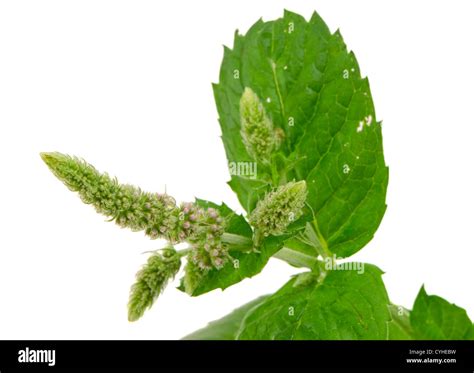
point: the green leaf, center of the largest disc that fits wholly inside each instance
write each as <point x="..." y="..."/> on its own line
<point x="470" y="335"/>
<point x="311" y="88"/>
<point x="345" y="305"/>
<point x="248" y="191"/>
<point x="227" y="327"/>
<point x="435" y="318"/>
<point x="399" y="328"/>
<point x="243" y="264"/>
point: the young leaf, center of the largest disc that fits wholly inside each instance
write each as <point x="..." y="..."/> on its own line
<point x="435" y="318"/>
<point x="345" y="305"/>
<point x="311" y="89"/>
<point x="227" y="327"/>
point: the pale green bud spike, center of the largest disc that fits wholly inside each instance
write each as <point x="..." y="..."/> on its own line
<point x="156" y="214"/>
<point x="151" y="281"/>
<point x="279" y="208"/>
<point x="258" y="134"/>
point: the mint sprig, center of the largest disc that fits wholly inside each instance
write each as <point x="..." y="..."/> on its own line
<point x="306" y="162"/>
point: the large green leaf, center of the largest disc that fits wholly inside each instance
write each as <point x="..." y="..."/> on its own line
<point x="345" y="305"/>
<point x="227" y="327"/>
<point x="244" y="264"/>
<point x="311" y="88"/>
<point x="435" y="318"/>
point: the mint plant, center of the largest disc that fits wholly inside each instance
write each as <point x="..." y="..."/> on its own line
<point x="306" y="161"/>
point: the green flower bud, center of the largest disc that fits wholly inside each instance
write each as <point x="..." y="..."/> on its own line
<point x="279" y="208"/>
<point x="256" y="130"/>
<point x="151" y="281"/>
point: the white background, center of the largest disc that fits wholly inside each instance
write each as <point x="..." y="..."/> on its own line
<point x="127" y="86"/>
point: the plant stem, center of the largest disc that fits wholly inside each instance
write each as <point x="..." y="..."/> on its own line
<point x="292" y="257"/>
<point x="183" y="252"/>
<point x="295" y="258"/>
<point x="237" y="242"/>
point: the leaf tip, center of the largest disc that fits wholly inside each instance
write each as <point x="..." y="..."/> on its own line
<point x="337" y="33"/>
<point x="287" y="13"/>
<point x="315" y="16"/>
<point x="227" y="51"/>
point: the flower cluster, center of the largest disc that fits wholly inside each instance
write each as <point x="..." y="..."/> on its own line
<point x="279" y="208"/>
<point x="151" y="280"/>
<point x="159" y="217"/>
<point x="155" y="214"/>
<point x="204" y="228"/>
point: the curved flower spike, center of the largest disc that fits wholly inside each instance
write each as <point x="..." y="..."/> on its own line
<point x="127" y="205"/>
<point x="151" y="281"/>
<point x="154" y="213"/>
